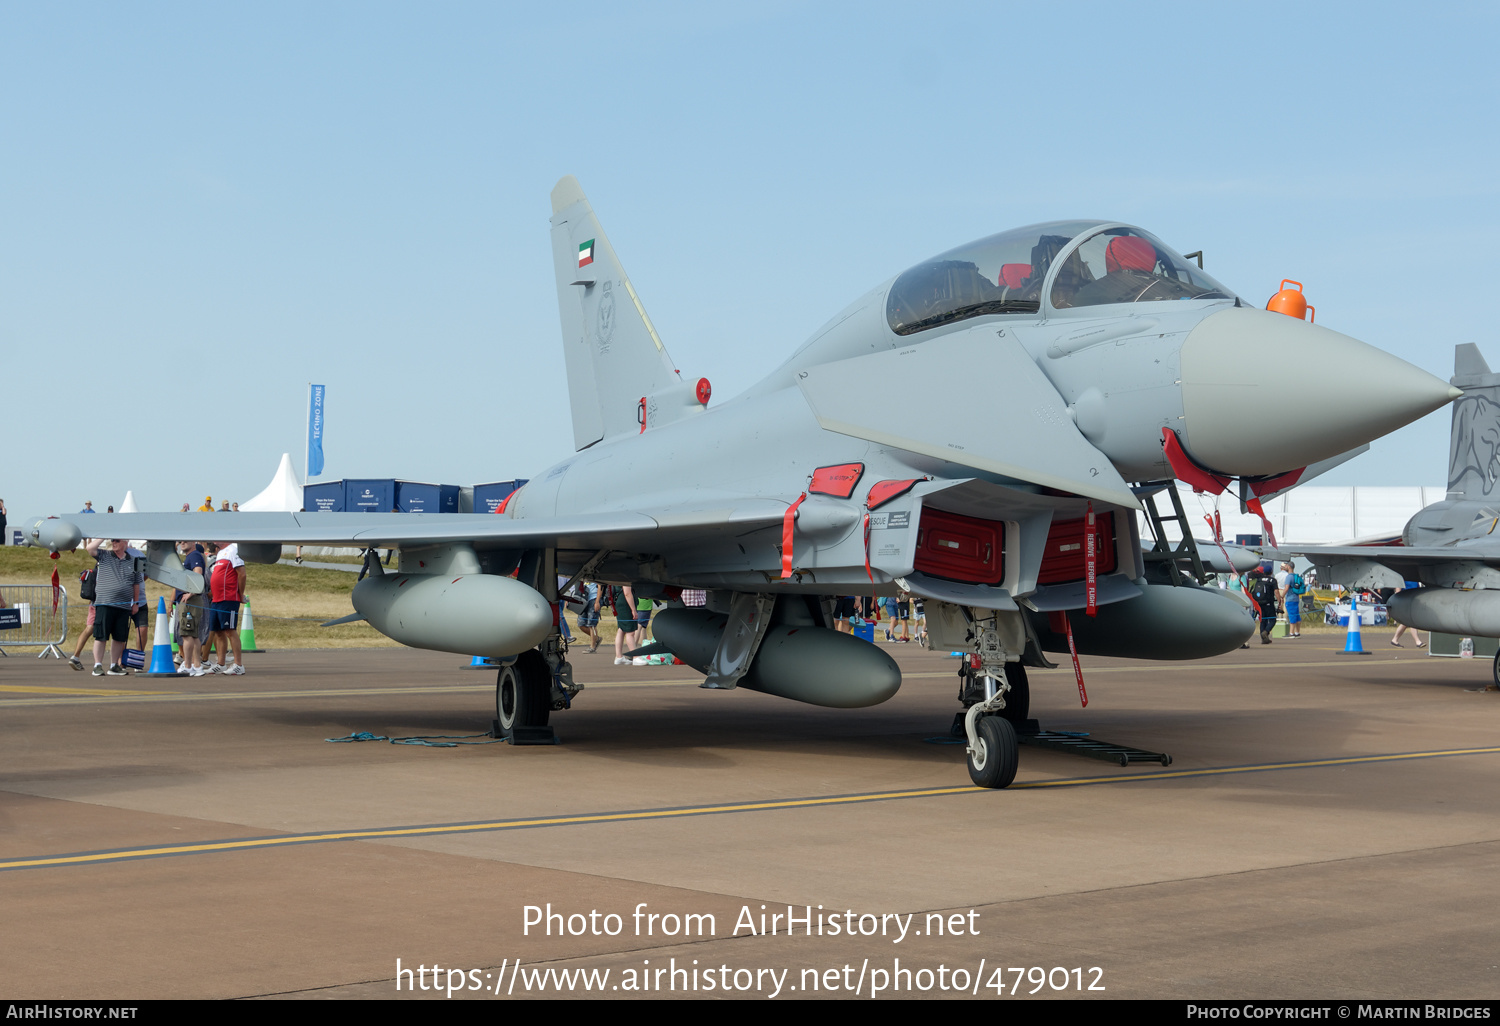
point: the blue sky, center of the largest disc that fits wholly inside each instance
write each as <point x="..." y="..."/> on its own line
<point x="206" y="207"/>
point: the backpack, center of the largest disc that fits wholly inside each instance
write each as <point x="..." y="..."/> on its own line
<point x="86" y="584"/>
<point x="1264" y="593"/>
<point x="1296" y="585"/>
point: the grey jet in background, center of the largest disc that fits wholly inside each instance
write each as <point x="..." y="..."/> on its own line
<point x="1451" y="548"/>
<point x="951" y="434"/>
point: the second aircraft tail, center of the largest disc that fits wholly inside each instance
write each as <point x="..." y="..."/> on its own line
<point x="1474" y="449"/>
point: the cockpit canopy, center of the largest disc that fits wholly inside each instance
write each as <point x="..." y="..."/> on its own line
<point x="1007" y="273"/>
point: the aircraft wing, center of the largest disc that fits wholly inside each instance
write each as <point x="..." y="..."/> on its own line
<point x="1027" y="433"/>
<point x="1398" y="557"/>
<point x="1389" y="566"/>
<point x="624" y="529"/>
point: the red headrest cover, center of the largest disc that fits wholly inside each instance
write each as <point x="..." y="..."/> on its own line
<point x="1129" y="253"/>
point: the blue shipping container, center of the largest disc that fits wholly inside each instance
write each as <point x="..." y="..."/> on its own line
<point x="369" y="495"/>
<point x="488" y="497"/>
<point x="417" y="497"/>
<point x="325" y="497"/>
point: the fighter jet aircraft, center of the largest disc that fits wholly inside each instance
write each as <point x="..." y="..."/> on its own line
<point x="967" y="432"/>
<point x="1452" y="547"/>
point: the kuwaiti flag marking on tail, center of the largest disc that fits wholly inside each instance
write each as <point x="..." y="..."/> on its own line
<point x="586" y="253"/>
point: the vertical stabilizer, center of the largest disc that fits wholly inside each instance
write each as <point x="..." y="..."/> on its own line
<point x="615" y="359"/>
<point x="1474" y="450"/>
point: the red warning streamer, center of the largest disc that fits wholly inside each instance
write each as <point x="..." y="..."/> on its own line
<point x="868" y="573"/>
<point x="1090" y="564"/>
<point x="1083" y="696"/>
<point x="786" y="536"/>
<point x="1254" y="506"/>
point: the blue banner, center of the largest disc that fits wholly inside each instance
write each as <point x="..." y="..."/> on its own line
<point x="315" y="433"/>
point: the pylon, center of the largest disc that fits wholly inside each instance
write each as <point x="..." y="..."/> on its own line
<point x="247" y="631"/>
<point x="1351" y="640"/>
<point x="161" y="645"/>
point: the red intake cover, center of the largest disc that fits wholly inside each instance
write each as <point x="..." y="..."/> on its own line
<point x="1062" y="559"/>
<point x="959" y="548"/>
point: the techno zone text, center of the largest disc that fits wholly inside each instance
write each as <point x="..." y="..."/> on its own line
<point x="805" y="921"/>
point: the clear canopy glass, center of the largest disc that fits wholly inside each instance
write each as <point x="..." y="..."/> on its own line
<point x="1005" y="273"/>
<point x="1000" y="274"/>
<point x="1126" y="265"/>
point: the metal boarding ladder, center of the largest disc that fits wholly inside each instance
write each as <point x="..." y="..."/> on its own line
<point x="1186" y="550"/>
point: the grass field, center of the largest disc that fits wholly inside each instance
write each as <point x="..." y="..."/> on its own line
<point x="289" y="602"/>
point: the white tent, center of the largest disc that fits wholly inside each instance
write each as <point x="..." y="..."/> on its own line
<point x="282" y="495"/>
<point x="129" y="506"/>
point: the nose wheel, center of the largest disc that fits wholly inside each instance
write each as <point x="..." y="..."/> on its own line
<point x="993" y="756"/>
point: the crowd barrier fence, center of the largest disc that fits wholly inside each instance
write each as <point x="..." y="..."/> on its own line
<point x="30" y="619"/>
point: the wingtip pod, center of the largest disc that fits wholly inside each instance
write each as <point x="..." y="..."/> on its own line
<point x="51" y="533"/>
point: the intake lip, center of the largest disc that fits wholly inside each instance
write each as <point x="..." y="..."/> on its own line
<point x="1246" y="411"/>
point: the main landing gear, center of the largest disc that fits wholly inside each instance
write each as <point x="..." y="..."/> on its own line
<point x="529" y="688"/>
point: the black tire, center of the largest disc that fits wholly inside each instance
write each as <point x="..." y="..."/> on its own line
<point x="1018" y="698"/>
<point x="1495" y="675"/>
<point x="994" y="764"/>
<point x="523" y="693"/>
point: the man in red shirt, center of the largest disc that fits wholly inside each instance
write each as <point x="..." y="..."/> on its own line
<point x="227" y="584"/>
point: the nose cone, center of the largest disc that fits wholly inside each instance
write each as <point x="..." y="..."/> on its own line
<point x="1245" y="403"/>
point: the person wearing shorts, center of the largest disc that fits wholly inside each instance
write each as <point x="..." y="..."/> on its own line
<point x="119" y="591"/>
<point x="192" y="612"/>
<point x="84" y="636"/>
<point x="588" y="617"/>
<point x="227" y="582"/>
<point x="624" y="601"/>
<point x="843" y="610"/>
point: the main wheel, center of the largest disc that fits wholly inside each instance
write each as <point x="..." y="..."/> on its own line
<point x="994" y="763"/>
<point x="1018" y="698"/>
<point x="1496" y="674"/>
<point x="523" y="693"/>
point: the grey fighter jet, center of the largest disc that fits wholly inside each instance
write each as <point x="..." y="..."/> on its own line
<point x="973" y="432"/>
<point x="1451" y="548"/>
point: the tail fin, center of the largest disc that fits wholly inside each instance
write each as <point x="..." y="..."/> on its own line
<point x="1474" y="450"/>
<point x="620" y="378"/>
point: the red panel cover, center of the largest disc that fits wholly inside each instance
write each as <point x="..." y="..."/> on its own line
<point x="1062" y="560"/>
<point x="839" y="480"/>
<point x="959" y="548"/>
<point x="884" y="491"/>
